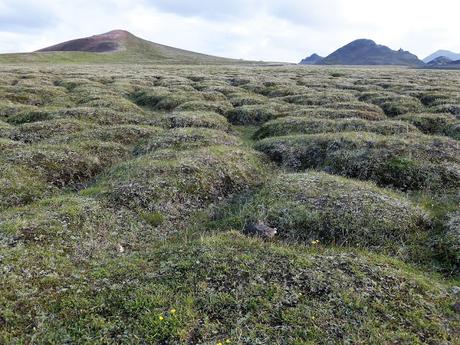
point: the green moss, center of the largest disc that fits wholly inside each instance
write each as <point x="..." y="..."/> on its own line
<point x="78" y="227"/>
<point x="153" y="218"/>
<point x="193" y="119"/>
<point x="413" y="162"/>
<point x="65" y="165"/>
<point x="220" y="107"/>
<point x="20" y="185"/>
<point x="38" y="131"/>
<point x="104" y="116"/>
<point x="312" y="296"/>
<point x="393" y="104"/>
<point x="438" y="124"/>
<point x="301" y="125"/>
<point x="122" y="134"/>
<point x="177" y="184"/>
<point x="258" y="113"/>
<point x="186" y="138"/>
<point x="335" y="210"/>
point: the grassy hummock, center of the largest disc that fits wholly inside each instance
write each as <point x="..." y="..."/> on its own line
<point x="410" y="162"/>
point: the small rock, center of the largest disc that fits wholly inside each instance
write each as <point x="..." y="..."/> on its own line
<point x="120" y="248"/>
<point x="260" y="229"/>
<point x="456" y="307"/>
<point x="455" y="290"/>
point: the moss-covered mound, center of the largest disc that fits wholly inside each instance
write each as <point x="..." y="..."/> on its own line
<point x="122" y="134"/>
<point x="104" y="116"/>
<point x="220" y="107"/>
<point x="64" y="165"/>
<point x="393" y="104"/>
<point x="80" y="227"/>
<point x="21" y="185"/>
<point x="338" y="113"/>
<point x="163" y="98"/>
<point x="437" y="124"/>
<point x="449" y="241"/>
<point x="258" y="113"/>
<point x="37" y="131"/>
<point x="169" y="185"/>
<point x="301" y="125"/>
<point x="5" y="129"/>
<point x="205" y="119"/>
<point x="313" y="206"/>
<point x="412" y="162"/>
<point x="186" y="138"/>
<point x="226" y="289"/>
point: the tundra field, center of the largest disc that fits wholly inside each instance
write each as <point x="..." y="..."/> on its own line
<point x="127" y="194"/>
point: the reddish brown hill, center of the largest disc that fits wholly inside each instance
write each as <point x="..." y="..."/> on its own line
<point x="110" y="41"/>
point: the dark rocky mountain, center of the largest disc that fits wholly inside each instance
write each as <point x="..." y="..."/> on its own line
<point x="442" y="53"/>
<point x="439" y="61"/>
<point x="311" y="60"/>
<point x="367" y="52"/>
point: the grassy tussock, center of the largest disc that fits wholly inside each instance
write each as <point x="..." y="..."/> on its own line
<point x="412" y="162"/>
<point x="300" y="125"/>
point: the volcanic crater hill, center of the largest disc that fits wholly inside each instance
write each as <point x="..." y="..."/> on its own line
<point x="117" y="46"/>
<point x="367" y="52"/>
<point x="110" y="41"/>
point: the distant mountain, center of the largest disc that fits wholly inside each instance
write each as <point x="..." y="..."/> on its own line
<point x="367" y="52"/>
<point x="446" y="53"/>
<point x="117" y="46"/>
<point x="439" y="61"/>
<point x="311" y="60"/>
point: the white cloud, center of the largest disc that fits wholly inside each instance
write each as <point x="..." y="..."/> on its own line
<point x="252" y="29"/>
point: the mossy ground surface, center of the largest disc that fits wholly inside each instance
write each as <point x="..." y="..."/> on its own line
<point x="125" y="191"/>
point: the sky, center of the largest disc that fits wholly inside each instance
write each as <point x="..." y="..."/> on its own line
<point x="269" y="30"/>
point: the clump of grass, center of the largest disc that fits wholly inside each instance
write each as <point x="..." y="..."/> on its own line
<point x="219" y="107"/>
<point x="29" y="116"/>
<point x="123" y="134"/>
<point x="21" y="185"/>
<point x="37" y="131"/>
<point x="313" y="206"/>
<point x="437" y="124"/>
<point x="338" y="113"/>
<point x="104" y="116"/>
<point x="164" y="99"/>
<point x="204" y="119"/>
<point x="448" y="246"/>
<point x="64" y="165"/>
<point x="301" y="125"/>
<point x="412" y="162"/>
<point x="258" y="113"/>
<point x="179" y="183"/>
<point x="320" y="98"/>
<point x="238" y="99"/>
<point x="393" y="104"/>
<point x="78" y="227"/>
<point x="186" y="138"/>
<point x="5" y="129"/>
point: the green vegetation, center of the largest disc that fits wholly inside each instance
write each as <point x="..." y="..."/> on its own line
<point x="335" y="210"/>
<point x="409" y="162"/>
<point x="302" y="125"/>
<point x="126" y="193"/>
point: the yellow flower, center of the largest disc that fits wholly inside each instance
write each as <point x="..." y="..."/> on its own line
<point x="172" y="311"/>
<point x="227" y="341"/>
<point x="219" y="343"/>
<point x="161" y="318"/>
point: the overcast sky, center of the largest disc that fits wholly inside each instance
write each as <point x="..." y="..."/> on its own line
<point x="271" y="30"/>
